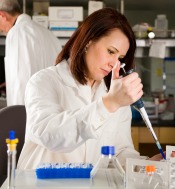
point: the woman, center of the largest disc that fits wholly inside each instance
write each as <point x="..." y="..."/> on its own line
<point x="83" y="103"/>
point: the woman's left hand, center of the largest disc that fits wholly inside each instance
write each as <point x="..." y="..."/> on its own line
<point x="157" y="157"/>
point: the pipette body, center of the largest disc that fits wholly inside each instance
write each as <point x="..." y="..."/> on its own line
<point x="139" y="106"/>
<point x="149" y="126"/>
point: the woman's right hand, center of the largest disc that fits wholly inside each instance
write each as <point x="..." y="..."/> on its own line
<point x="123" y="91"/>
<point x="173" y="154"/>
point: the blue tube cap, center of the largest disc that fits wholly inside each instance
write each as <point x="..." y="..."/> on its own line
<point x="12" y="135"/>
<point x="108" y="150"/>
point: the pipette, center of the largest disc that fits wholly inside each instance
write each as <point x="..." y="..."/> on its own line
<point x="11" y="164"/>
<point x="139" y="106"/>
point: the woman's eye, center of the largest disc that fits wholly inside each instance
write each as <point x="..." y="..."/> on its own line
<point x="110" y="52"/>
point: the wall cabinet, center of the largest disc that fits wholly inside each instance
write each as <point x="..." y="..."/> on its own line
<point x="135" y="137"/>
<point x="145" y="135"/>
<point x="167" y="135"/>
<point x="141" y="135"/>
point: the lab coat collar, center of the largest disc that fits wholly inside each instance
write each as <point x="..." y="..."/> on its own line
<point x="63" y="69"/>
<point x="85" y="90"/>
<point x="68" y="80"/>
<point x="64" y="72"/>
<point x="22" y="17"/>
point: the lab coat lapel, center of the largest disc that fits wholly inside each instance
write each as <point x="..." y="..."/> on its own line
<point x="65" y="74"/>
<point x="83" y="91"/>
<point x="22" y="17"/>
<point x="98" y="90"/>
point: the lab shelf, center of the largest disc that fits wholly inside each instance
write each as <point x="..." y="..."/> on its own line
<point x="139" y="42"/>
<point x="147" y="42"/>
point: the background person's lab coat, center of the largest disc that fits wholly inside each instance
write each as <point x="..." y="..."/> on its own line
<point x="29" y="48"/>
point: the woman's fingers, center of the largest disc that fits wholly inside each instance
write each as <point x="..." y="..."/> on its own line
<point x="115" y="71"/>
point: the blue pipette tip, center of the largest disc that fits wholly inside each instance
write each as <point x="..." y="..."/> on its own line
<point x="12" y="135"/>
<point x="162" y="153"/>
<point x="160" y="149"/>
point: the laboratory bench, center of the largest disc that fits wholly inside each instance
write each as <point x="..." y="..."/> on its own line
<point x="143" y="140"/>
<point x="27" y="179"/>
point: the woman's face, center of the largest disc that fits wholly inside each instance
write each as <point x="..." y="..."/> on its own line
<point x="102" y="55"/>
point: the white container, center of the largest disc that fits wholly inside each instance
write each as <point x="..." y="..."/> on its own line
<point x="161" y="26"/>
<point x="135" y="174"/>
<point x="65" y="13"/>
<point x="63" y="25"/>
<point x="63" y="28"/>
<point x="63" y="33"/>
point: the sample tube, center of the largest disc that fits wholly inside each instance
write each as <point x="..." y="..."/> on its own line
<point x="11" y="157"/>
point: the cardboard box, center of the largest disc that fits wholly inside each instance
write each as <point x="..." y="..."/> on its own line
<point x="65" y="13"/>
<point x="41" y="7"/>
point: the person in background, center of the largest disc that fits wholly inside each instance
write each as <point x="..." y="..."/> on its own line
<point x="29" y="48"/>
<point x="83" y="102"/>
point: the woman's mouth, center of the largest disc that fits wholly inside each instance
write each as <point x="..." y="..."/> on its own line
<point x="105" y="72"/>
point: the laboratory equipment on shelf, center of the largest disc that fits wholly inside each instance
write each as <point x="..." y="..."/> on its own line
<point x="139" y="106"/>
<point x="11" y="156"/>
<point x="161" y="26"/>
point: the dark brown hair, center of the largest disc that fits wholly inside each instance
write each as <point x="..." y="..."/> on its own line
<point x="94" y="27"/>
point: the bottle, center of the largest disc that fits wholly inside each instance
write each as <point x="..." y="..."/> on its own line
<point x="152" y="179"/>
<point x="108" y="171"/>
<point x="161" y="26"/>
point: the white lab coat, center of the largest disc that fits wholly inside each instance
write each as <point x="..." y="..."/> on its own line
<point x="67" y="122"/>
<point x="29" y="48"/>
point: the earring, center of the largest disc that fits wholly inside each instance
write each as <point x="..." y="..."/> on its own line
<point x="85" y="49"/>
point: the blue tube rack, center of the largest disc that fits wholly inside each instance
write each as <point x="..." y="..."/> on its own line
<point x="63" y="170"/>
